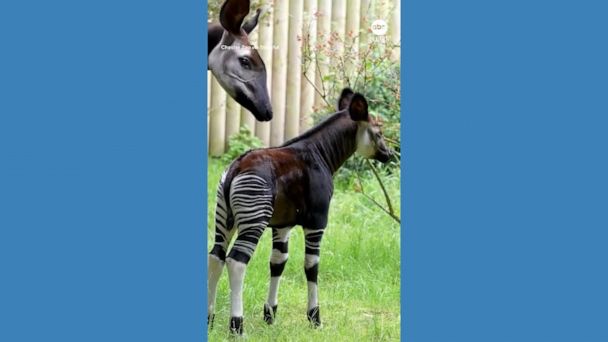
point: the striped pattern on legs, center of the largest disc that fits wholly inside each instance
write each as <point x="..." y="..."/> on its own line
<point x="312" y="239"/>
<point x="278" y="260"/>
<point x="217" y="256"/>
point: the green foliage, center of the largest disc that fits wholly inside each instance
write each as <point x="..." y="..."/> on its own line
<point x="213" y="9"/>
<point x="359" y="274"/>
<point x="240" y="143"/>
<point x="366" y="68"/>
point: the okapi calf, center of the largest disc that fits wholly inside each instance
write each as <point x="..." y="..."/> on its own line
<point x="282" y="187"/>
<point x="235" y="63"/>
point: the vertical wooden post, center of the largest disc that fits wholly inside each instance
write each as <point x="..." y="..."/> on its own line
<point x="247" y="119"/>
<point x="279" y="71"/>
<point x="265" y="47"/>
<point x="323" y="31"/>
<point x="338" y="22"/>
<point x="209" y="77"/>
<point x="381" y="12"/>
<point x="365" y="22"/>
<point x="233" y="120"/>
<point x="395" y="30"/>
<point x="217" y="119"/>
<point x="338" y="26"/>
<point x="351" y="32"/>
<point x="353" y="14"/>
<point x="294" y="63"/>
<point x="307" y="92"/>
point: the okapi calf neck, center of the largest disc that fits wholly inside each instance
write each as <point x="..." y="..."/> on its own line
<point x="235" y="63"/>
<point x="283" y="187"/>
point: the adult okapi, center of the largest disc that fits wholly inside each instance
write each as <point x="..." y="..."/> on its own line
<point x="235" y="63"/>
<point x="282" y="187"/>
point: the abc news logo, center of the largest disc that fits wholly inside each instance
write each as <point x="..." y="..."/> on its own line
<point x="379" y="27"/>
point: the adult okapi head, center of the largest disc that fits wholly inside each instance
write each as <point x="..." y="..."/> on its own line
<point x="370" y="141"/>
<point x="235" y="63"/>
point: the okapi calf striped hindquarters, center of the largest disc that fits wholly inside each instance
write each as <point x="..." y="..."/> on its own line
<point x="282" y="187"/>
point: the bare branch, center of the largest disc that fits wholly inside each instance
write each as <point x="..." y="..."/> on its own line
<point x="390" y="213"/>
<point x="316" y="89"/>
<point x="386" y="196"/>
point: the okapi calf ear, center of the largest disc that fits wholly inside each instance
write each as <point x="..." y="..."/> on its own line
<point x="345" y="97"/>
<point x="358" y="108"/>
<point x="232" y="14"/>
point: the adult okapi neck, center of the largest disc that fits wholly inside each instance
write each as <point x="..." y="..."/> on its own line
<point x="333" y="141"/>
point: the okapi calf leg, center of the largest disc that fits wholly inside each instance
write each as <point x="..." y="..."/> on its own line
<point x="278" y="260"/>
<point x="312" y="239"/>
<point x="251" y="202"/>
<point x="236" y="262"/>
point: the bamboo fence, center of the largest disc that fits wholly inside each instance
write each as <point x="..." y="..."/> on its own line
<point x="278" y="39"/>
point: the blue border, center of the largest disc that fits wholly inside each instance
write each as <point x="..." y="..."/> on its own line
<point x="505" y="122"/>
<point x="102" y="162"/>
<point x="102" y="170"/>
<point x="205" y="159"/>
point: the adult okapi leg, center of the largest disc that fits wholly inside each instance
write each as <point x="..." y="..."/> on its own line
<point x="278" y="260"/>
<point x="217" y="256"/>
<point x="312" y="239"/>
<point x="251" y="201"/>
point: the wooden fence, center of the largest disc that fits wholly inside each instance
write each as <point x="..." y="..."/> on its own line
<point x="278" y="39"/>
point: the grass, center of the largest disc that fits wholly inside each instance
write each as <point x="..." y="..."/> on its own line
<point x="359" y="274"/>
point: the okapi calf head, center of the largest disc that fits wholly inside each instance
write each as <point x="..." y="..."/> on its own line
<point x="370" y="141"/>
<point x="235" y="63"/>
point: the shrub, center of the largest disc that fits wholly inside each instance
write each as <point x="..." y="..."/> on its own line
<point x="240" y="143"/>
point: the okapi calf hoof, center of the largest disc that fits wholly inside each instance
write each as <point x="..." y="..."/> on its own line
<point x="270" y="313"/>
<point x="210" y="319"/>
<point x="236" y="325"/>
<point x="314" y="317"/>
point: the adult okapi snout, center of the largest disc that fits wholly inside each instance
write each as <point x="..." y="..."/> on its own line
<point x="253" y="95"/>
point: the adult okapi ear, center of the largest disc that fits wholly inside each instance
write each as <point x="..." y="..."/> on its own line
<point x="252" y="22"/>
<point x="232" y="14"/>
<point x="358" y="108"/>
<point x="345" y="97"/>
